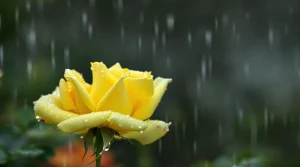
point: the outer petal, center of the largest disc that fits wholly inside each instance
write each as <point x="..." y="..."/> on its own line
<point x="116" y="99"/>
<point x="115" y="121"/>
<point x="140" y="88"/>
<point x="121" y="123"/>
<point x="148" y="107"/>
<point x="103" y="80"/>
<point x="81" y="92"/>
<point x="85" y="121"/>
<point x="80" y="79"/>
<point x="65" y="96"/>
<point x="117" y="71"/>
<point x="48" y="108"/>
<point x="155" y="130"/>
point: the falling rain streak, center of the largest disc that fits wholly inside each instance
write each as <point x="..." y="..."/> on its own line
<point x="1" y="56"/>
<point x="67" y="57"/>
<point x="170" y="22"/>
<point x="53" y="63"/>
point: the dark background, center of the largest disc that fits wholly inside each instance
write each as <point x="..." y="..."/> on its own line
<point x="235" y="69"/>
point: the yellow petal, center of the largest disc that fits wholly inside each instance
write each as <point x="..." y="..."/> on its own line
<point x="79" y="77"/>
<point x="81" y="92"/>
<point x="120" y="122"/>
<point x="103" y="80"/>
<point x="116" y="99"/>
<point x="140" y="88"/>
<point x="155" y="130"/>
<point x="83" y="122"/>
<point x="47" y="108"/>
<point x="148" y="107"/>
<point x="65" y="96"/>
<point x="113" y="120"/>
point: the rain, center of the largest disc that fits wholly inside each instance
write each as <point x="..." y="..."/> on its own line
<point x="235" y="70"/>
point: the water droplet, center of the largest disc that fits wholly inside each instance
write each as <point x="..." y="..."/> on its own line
<point x="29" y="68"/>
<point x="90" y="30"/>
<point x="81" y="137"/>
<point x="216" y="23"/>
<point x="203" y="68"/>
<point x="140" y="127"/>
<point x="69" y="3"/>
<point x="31" y="37"/>
<point x="120" y="5"/>
<point x="1" y="56"/>
<point x="141" y="131"/>
<point x="208" y="38"/>
<point x="156" y="28"/>
<point x="196" y="116"/>
<point x="86" y="120"/>
<point x="106" y="149"/>
<point x="67" y="57"/>
<point x="140" y="43"/>
<point x="246" y="70"/>
<point x="84" y="18"/>
<point x="195" y="147"/>
<point x="40" y="4"/>
<point x="142" y="17"/>
<point x="189" y="38"/>
<point x="170" y="22"/>
<point x="154" y="47"/>
<point x="266" y="118"/>
<point x="271" y="36"/>
<point x="37" y="117"/>
<point x="160" y="147"/>
<point x="122" y="32"/>
<point x="17" y="15"/>
<point x="28" y="6"/>
<point x="92" y="3"/>
<point x="163" y="39"/>
<point x="0" y="21"/>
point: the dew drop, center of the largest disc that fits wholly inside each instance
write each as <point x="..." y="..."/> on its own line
<point x="37" y="117"/>
<point x="81" y="137"/>
<point x="141" y="131"/>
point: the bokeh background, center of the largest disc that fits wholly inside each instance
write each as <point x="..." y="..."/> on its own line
<point x="233" y="102"/>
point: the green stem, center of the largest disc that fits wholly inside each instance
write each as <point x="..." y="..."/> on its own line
<point x="98" y="161"/>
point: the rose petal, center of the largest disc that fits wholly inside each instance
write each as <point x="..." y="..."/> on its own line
<point x="47" y="109"/>
<point x="83" y="122"/>
<point x="65" y="96"/>
<point x="81" y="93"/>
<point x="148" y="107"/>
<point x="120" y="122"/>
<point x="116" y="99"/>
<point x="103" y="80"/>
<point x="80" y="79"/>
<point x="155" y="131"/>
<point x="140" y="88"/>
<point x="116" y="70"/>
<point x="113" y="120"/>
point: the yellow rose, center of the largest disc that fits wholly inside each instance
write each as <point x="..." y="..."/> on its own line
<point x="118" y="98"/>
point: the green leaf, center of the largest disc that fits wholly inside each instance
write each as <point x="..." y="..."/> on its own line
<point x="88" y="141"/>
<point x="108" y="136"/>
<point x="3" y="157"/>
<point x="102" y="141"/>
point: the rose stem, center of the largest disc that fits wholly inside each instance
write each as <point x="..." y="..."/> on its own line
<point x="98" y="161"/>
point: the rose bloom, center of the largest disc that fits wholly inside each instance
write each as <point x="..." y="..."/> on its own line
<point x="118" y="98"/>
<point x="72" y="157"/>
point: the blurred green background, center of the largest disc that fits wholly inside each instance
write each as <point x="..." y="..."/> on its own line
<point x="235" y="66"/>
